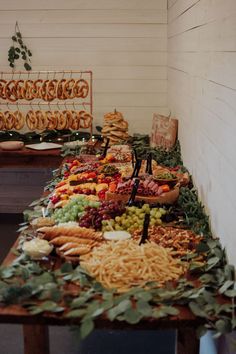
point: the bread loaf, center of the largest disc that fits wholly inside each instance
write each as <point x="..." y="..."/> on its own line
<point x="11" y="145"/>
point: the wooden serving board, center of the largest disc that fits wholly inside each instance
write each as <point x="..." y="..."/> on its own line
<point x="165" y="198"/>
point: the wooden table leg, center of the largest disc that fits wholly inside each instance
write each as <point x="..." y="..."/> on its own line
<point x="187" y="342"/>
<point x="36" y="339"/>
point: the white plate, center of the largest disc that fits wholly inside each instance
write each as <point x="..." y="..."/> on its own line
<point x="43" y="146"/>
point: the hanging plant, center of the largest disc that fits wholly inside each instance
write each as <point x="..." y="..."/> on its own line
<point x="19" y="50"/>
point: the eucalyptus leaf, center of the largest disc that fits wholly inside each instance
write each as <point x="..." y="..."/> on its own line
<point x="35" y="310"/>
<point x="227" y="284"/>
<point x="120" y="308"/>
<point x="97" y="312"/>
<point x="201" y="331"/>
<point x="66" y="268"/>
<point x="144" y="308"/>
<point x="170" y="310"/>
<point x="132" y="316"/>
<point x="7" y="272"/>
<point x="76" y="313"/>
<point x="202" y="247"/>
<point x="197" y="311"/>
<point x="158" y="313"/>
<point x="223" y="326"/>
<point x="51" y="306"/>
<point x="230" y="293"/>
<point x="144" y="295"/>
<point x="212" y="262"/>
<point x="27" y="67"/>
<point x="35" y="202"/>
<point x="22" y="228"/>
<point x="86" y="328"/>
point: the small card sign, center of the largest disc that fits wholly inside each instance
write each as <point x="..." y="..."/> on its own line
<point x="164" y="131"/>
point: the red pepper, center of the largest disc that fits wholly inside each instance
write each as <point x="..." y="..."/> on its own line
<point x="92" y="175"/>
<point x="63" y="191"/>
<point x="165" y="188"/>
<point x="60" y="184"/>
<point x="102" y="194"/>
<point x="55" y="199"/>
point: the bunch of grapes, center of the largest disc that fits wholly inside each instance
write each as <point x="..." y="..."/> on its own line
<point x="133" y="218"/>
<point x="94" y="217"/>
<point x="74" y="209"/>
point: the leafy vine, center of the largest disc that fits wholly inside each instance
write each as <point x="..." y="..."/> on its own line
<point x="19" y="49"/>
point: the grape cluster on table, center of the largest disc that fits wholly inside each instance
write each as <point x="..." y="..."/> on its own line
<point x="133" y="218"/>
<point x="74" y="209"/>
<point x="94" y="217"/>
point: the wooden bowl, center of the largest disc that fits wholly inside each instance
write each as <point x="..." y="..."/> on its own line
<point x="165" y="198"/>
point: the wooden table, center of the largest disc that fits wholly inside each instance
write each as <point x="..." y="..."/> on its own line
<point x="23" y="175"/>
<point x="30" y="158"/>
<point x="35" y="327"/>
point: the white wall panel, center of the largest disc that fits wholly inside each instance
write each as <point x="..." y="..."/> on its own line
<point x="202" y="94"/>
<point x="123" y="42"/>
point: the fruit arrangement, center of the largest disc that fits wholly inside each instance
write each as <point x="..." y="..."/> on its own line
<point x="133" y="218"/>
<point x="73" y="209"/>
<point x="94" y="216"/>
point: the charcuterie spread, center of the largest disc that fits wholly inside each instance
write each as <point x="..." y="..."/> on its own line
<point x="120" y="234"/>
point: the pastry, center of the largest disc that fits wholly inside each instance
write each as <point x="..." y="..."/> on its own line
<point x="115" y="127"/>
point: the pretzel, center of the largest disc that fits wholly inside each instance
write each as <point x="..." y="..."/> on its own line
<point x="75" y="125"/>
<point x="43" y="90"/>
<point x="42" y="121"/>
<point x="61" y="120"/>
<point x="48" y="90"/>
<point x="8" y="91"/>
<point x="52" y="120"/>
<point x="69" y="89"/>
<point x="27" y="90"/>
<point x="60" y="89"/>
<point x="52" y="89"/>
<point x="69" y="119"/>
<point x="81" y="88"/>
<point x="2" y="121"/>
<point x="85" y="120"/>
<point x="19" y="120"/>
<point x="31" y="120"/>
<point x="36" y="88"/>
<point x="9" y="120"/>
<point x="18" y="89"/>
<point x="2" y="89"/>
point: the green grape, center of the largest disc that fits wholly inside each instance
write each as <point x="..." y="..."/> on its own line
<point x="162" y="211"/>
<point x="158" y="215"/>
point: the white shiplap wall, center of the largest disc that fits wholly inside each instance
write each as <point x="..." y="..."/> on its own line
<point x="202" y="94"/>
<point x="123" y="42"/>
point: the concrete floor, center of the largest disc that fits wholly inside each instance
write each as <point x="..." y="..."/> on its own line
<point x="63" y="341"/>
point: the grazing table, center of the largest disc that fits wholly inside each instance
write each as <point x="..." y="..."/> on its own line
<point x="36" y="335"/>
